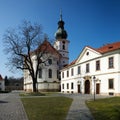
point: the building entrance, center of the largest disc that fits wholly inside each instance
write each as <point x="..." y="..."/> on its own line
<point x="87" y="87"/>
<point x="79" y="89"/>
<point x="97" y="88"/>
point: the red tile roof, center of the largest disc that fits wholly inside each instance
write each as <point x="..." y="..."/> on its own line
<point x="72" y="63"/>
<point x="103" y="49"/>
<point x="47" y="47"/>
<point x="109" y="47"/>
<point x="1" y="78"/>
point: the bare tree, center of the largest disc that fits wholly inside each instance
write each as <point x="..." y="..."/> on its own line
<point x="21" y="44"/>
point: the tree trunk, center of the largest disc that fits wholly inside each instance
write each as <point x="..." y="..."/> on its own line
<point x="34" y="85"/>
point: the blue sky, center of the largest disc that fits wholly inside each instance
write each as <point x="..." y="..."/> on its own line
<point x="87" y="22"/>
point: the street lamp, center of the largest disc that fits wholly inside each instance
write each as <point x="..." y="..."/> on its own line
<point x="94" y="86"/>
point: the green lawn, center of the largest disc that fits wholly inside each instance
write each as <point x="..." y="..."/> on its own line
<point x="105" y="109"/>
<point x="47" y="108"/>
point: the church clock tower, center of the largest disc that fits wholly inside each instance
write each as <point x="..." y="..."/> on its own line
<point x="61" y="43"/>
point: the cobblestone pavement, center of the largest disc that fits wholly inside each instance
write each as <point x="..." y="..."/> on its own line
<point x="78" y="109"/>
<point x="11" y="107"/>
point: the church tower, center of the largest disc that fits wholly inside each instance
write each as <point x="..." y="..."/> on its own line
<point x="61" y="43"/>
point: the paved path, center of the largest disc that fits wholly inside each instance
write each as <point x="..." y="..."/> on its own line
<point x="78" y="109"/>
<point x="11" y="107"/>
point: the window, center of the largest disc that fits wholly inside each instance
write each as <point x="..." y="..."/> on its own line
<point x="62" y="86"/>
<point x="40" y="73"/>
<point x="67" y="85"/>
<point x="111" y="84"/>
<point x="50" y="73"/>
<point x="67" y="73"/>
<point x="110" y="62"/>
<point x="72" y="72"/>
<point x="87" y="53"/>
<point x="72" y="85"/>
<point x="63" y="45"/>
<point x="62" y="74"/>
<point x="87" y="68"/>
<point x="79" y="70"/>
<point x="50" y="61"/>
<point x="98" y="65"/>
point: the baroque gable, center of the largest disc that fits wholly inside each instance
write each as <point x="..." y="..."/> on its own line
<point x="87" y="54"/>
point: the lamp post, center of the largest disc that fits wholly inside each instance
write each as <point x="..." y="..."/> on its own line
<point x="94" y="86"/>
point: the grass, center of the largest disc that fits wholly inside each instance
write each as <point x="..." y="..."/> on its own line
<point x="47" y="108"/>
<point x="105" y="109"/>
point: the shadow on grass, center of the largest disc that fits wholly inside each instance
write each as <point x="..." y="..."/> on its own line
<point x="1" y="102"/>
<point x="32" y="94"/>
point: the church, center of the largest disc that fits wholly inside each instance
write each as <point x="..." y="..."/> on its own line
<point x="49" y="73"/>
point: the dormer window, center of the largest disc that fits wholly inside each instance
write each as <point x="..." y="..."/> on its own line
<point x="110" y="47"/>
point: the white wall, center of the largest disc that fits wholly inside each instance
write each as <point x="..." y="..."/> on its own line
<point x="42" y="81"/>
<point x="104" y="74"/>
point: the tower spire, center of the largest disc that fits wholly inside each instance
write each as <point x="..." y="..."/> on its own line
<point x="60" y="14"/>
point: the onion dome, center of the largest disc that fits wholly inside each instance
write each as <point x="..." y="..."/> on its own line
<point x="61" y="33"/>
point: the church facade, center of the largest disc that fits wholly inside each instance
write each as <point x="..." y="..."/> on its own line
<point x="95" y="71"/>
<point x="58" y="56"/>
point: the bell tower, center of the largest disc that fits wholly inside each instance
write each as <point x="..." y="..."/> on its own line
<point x="61" y="43"/>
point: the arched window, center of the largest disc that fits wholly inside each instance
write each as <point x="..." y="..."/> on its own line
<point x="63" y="46"/>
<point x="50" y="73"/>
<point x="50" y="61"/>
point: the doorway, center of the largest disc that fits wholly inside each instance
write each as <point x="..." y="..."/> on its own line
<point x="97" y="88"/>
<point x="87" y="87"/>
<point x="79" y="89"/>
